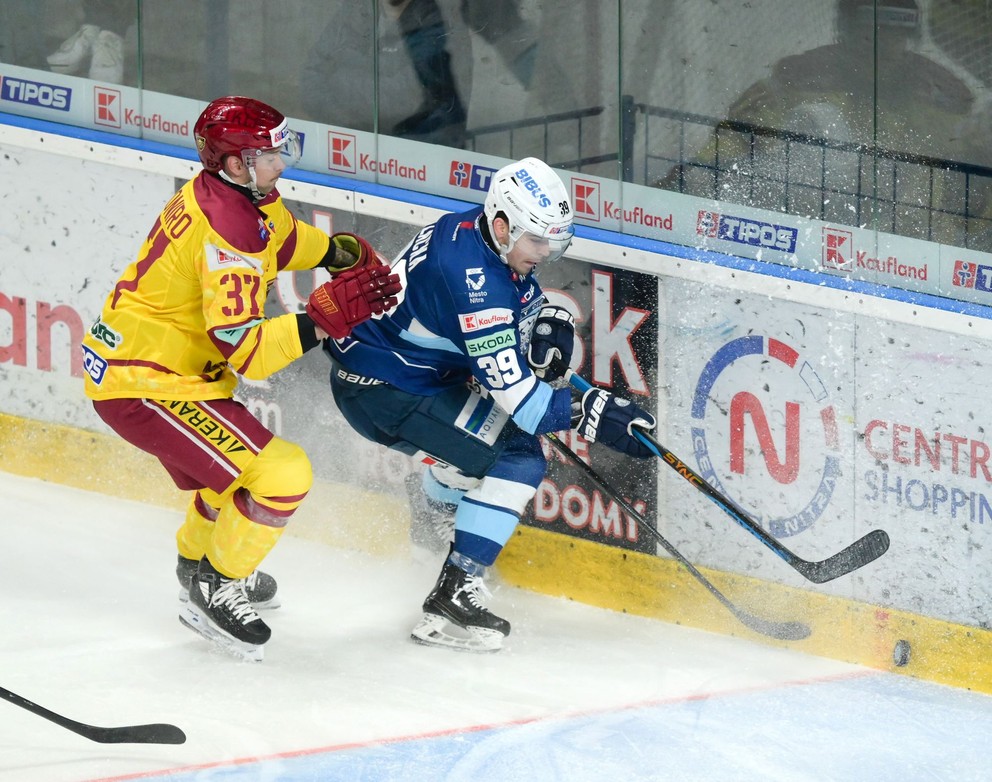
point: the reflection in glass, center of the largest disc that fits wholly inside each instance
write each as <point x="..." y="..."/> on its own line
<point x="821" y="131"/>
<point x="857" y="112"/>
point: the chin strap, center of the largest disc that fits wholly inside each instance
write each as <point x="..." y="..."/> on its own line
<point x="251" y="189"/>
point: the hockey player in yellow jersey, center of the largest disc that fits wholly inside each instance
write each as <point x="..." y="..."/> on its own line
<point x="186" y="318"/>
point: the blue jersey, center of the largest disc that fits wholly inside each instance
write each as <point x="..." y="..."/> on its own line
<point x="463" y="313"/>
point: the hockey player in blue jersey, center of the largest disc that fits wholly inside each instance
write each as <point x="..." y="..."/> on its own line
<point x="459" y="375"/>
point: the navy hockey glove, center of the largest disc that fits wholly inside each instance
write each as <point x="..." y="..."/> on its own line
<point x="609" y="420"/>
<point x="551" y="343"/>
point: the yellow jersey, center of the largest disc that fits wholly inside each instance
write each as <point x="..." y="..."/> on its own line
<point x="188" y="314"/>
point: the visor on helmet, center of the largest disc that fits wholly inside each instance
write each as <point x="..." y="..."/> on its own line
<point x="541" y="248"/>
<point x="285" y="144"/>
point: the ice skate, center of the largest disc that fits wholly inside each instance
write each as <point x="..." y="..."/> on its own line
<point x="432" y="523"/>
<point x="455" y="617"/>
<point x="259" y="587"/>
<point x="219" y="610"/>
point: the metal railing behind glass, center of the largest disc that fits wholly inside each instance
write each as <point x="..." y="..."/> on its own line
<point x="561" y="137"/>
<point x="854" y="184"/>
<point x="837" y="181"/>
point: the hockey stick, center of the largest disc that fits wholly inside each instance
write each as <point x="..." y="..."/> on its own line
<point x="784" y="631"/>
<point x="159" y="733"/>
<point x="861" y="552"/>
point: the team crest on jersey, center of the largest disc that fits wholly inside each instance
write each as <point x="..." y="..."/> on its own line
<point x="475" y="278"/>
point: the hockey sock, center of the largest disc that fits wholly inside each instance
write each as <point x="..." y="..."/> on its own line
<point x="244" y="533"/>
<point x="193" y="537"/>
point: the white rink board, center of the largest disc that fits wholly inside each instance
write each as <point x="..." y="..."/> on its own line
<point x="704" y="326"/>
<point x="908" y="449"/>
<point x="65" y="244"/>
<point x="71" y="227"/>
<point x="916" y="386"/>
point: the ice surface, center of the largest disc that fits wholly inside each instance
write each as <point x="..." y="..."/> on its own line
<point x="91" y="632"/>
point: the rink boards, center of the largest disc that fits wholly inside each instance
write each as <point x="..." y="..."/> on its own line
<point x="824" y="408"/>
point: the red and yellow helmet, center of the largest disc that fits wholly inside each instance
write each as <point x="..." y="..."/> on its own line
<point x="235" y="125"/>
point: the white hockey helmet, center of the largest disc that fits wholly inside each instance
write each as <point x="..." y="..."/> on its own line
<point x="532" y="199"/>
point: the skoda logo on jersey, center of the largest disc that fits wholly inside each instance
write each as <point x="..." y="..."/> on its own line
<point x="750" y="387"/>
<point x="475" y="278"/>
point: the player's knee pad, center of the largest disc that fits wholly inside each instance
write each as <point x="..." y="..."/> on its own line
<point x="522" y="461"/>
<point x="279" y="477"/>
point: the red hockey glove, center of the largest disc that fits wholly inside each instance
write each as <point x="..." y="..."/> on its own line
<point x="352" y="297"/>
<point x="352" y="252"/>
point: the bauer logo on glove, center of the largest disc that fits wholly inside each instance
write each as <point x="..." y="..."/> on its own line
<point x="609" y="420"/>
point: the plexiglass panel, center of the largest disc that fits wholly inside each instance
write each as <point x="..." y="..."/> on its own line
<point x="855" y="112"/>
<point x="865" y="115"/>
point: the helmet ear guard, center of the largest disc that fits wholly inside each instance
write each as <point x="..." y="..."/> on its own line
<point x="532" y="199"/>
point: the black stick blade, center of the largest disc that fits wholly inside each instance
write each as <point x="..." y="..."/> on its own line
<point x="783" y="631"/>
<point x="858" y="554"/>
<point x="157" y="733"/>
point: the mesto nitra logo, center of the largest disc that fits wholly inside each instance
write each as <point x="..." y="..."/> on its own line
<point x="727" y="418"/>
